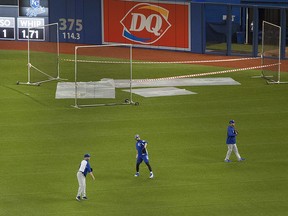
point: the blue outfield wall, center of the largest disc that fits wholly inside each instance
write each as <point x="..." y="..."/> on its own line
<point x="80" y="21"/>
<point x="198" y="28"/>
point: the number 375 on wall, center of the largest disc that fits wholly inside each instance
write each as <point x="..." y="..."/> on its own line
<point x="67" y="25"/>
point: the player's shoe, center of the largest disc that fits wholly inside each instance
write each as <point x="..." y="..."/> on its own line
<point x="227" y="161"/>
<point x="84" y="198"/>
<point x="241" y="159"/>
<point x="151" y="175"/>
<point x="78" y="198"/>
<point x="136" y="174"/>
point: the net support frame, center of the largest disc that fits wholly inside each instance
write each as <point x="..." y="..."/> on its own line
<point x="128" y="101"/>
<point x="29" y="65"/>
<point x="269" y="81"/>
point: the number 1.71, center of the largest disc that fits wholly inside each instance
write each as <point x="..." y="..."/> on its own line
<point x="34" y="34"/>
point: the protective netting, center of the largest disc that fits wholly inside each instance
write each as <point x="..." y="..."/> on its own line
<point x="271" y="43"/>
<point x="43" y="54"/>
<point x="96" y="68"/>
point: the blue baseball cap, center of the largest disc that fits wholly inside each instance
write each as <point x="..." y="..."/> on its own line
<point x="231" y="122"/>
<point x="86" y="155"/>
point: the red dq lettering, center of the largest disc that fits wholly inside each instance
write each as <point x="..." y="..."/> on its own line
<point x="145" y="23"/>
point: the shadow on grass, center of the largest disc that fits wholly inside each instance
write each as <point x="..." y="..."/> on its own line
<point x="25" y="94"/>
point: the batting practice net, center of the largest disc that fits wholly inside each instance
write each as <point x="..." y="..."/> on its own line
<point x="270" y="55"/>
<point x="43" y="56"/>
<point x="97" y="67"/>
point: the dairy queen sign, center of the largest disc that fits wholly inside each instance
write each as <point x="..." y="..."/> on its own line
<point x="165" y="25"/>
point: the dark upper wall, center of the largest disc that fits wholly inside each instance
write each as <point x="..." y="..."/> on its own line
<point x="8" y="2"/>
<point x="219" y="1"/>
<point x="266" y="2"/>
<point x="252" y="2"/>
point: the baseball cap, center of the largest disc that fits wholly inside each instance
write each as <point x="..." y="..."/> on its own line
<point x="231" y="121"/>
<point x="86" y="155"/>
<point x="137" y="136"/>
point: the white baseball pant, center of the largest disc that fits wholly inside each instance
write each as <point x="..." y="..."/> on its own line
<point x="82" y="184"/>
<point x="232" y="147"/>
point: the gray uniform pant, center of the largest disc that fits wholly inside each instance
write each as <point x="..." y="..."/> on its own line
<point x="82" y="184"/>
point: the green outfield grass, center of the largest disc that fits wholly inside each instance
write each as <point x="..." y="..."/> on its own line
<point x="235" y="48"/>
<point x="43" y="141"/>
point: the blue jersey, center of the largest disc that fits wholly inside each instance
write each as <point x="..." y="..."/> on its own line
<point x="231" y="135"/>
<point x="140" y="145"/>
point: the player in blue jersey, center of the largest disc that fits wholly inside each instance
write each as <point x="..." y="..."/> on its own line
<point x="84" y="169"/>
<point x="231" y="142"/>
<point x="142" y="155"/>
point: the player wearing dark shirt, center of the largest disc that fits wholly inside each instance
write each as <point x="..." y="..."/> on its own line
<point x="142" y="155"/>
<point x="231" y="142"/>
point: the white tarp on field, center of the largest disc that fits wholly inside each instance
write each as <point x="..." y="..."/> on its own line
<point x="106" y="87"/>
<point x="177" y="82"/>
<point x="161" y="91"/>
<point x="101" y="89"/>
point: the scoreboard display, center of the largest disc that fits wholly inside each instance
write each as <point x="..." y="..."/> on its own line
<point x="23" y="19"/>
<point x="78" y="21"/>
<point x="7" y="28"/>
<point x="34" y="30"/>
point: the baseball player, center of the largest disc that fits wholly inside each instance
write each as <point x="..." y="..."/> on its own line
<point x="81" y="176"/>
<point x="231" y="142"/>
<point x="142" y="155"/>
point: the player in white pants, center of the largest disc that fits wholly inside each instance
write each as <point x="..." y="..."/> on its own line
<point x="81" y="176"/>
<point x="231" y="142"/>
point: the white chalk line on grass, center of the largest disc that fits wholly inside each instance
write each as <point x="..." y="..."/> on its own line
<point x="206" y="74"/>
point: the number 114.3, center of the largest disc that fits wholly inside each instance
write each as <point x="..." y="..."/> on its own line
<point x="68" y="35"/>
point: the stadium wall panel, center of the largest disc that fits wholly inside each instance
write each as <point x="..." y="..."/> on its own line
<point x="79" y="20"/>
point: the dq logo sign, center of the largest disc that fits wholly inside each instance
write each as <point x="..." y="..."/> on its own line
<point x="145" y="23"/>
